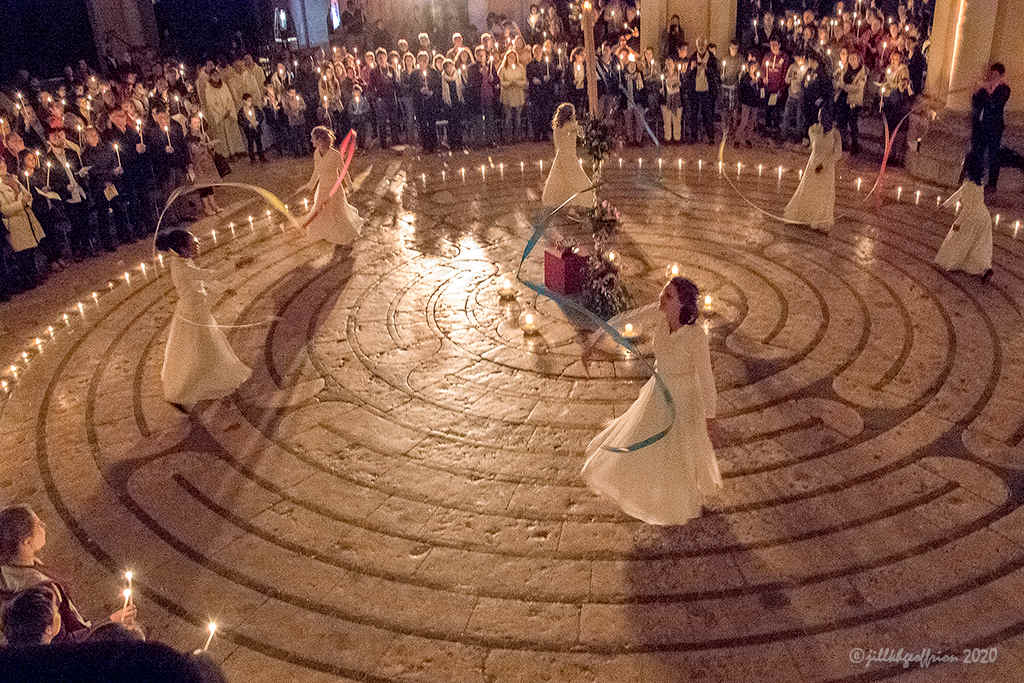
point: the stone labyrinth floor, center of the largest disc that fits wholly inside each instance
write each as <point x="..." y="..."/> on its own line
<point x="395" y="492"/>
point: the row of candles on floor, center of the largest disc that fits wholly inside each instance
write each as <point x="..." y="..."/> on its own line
<point x="80" y="308"/>
<point x="680" y="165"/>
<point x="528" y="319"/>
<point x="129" y="599"/>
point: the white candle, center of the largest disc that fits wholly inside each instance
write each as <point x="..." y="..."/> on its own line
<point x="117" y="151"/>
<point x="212" y="628"/>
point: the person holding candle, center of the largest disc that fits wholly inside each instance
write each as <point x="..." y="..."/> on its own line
<point x="540" y="93"/>
<point x="335" y="220"/>
<point x="23" y="231"/>
<point x="706" y="81"/>
<point x="199" y="363"/>
<point x="102" y="161"/>
<point x="133" y="185"/>
<point x="671" y="102"/>
<point x="453" y="99"/>
<point x="814" y="201"/>
<point x="849" y="97"/>
<point x="407" y="86"/>
<point x="65" y="178"/>
<point x="168" y="153"/>
<point x="670" y="481"/>
<point x="383" y="91"/>
<point x="250" y="121"/>
<point x="202" y="169"/>
<point x="294" y="107"/>
<point x="793" y="114"/>
<point x="22" y="537"/>
<point x="566" y="177"/>
<point x="360" y="116"/>
<point x="428" y="97"/>
<point x="633" y="101"/>
<point x="512" y="76"/>
<point x="968" y="244"/>
<point x="221" y="117"/>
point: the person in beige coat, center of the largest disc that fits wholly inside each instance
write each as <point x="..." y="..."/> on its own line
<point x="512" y="76"/>
<point x="221" y="113"/>
<point x="23" y="230"/>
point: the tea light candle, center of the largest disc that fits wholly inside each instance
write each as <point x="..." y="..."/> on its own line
<point x="506" y="290"/>
<point x="631" y="332"/>
<point x="528" y="322"/>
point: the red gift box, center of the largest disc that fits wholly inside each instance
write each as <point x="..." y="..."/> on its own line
<point x="564" y="271"/>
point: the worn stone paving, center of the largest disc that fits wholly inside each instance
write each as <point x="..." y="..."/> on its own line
<point x="394" y="495"/>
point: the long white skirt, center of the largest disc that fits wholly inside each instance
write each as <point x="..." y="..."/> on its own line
<point x="199" y="363"/>
<point x="666" y="482"/>
<point x="338" y="222"/>
<point x="565" y="179"/>
<point x="968" y="245"/>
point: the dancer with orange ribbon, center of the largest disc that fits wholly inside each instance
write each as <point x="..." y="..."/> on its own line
<point x="333" y="219"/>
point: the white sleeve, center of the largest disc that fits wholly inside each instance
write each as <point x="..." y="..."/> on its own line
<point x="706" y="377"/>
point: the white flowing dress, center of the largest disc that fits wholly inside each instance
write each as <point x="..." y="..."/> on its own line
<point x="667" y="481"/>
<point x="968" y="245"/>
<point x="814" y="201"/>
<point x="566" y="177"/>
<point x="199" y="363"/>
<point x="338" y="221"/>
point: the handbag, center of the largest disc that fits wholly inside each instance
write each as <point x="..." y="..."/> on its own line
<point x="222" y="164"/>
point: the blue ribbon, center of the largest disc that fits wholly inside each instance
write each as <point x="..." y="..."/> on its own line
<point x="539" y="228"/>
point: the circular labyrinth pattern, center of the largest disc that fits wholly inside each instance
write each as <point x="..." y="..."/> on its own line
<point x="395" y="492"/>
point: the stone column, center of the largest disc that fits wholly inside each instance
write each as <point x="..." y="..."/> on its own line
<point x="961" y="49"/>
<point x="653" y="18"/>
<point x="118" y="25"/>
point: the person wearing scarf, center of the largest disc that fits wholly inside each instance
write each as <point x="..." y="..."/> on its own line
<point x="671" y="102"/>
<point x="633" y="97"/>
<point x="849" y="100"/>
<point x="453" y="81"/>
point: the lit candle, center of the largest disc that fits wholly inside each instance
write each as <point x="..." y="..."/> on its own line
<point x="997" y="219"/>
<point x="127" y="593"/>
<point x="631" y="332"/>
<point x="117" y="151"/>
<point x="49" y="165"/>
<point x="780" y="172"/>
<point x="899" y="193"/>
<point x="739" y="167"/>
<point x="760" y="168"/>
<point x="167" y="132"/>
<point x="700" y="165"/>
<point x="138" y="126"/>
<point x="672" y="270"/>
<point x="917" y="197"/>
<point x="127" y="277"/>
<point x="305" y="203"/>
<point x="528" y="323"/>
<point x="506" y="290"/>
<point x="707" y="302"/>
<point x="231" y="227"/>
<point x="212" y="628"/>
<point x="660" y="162"/>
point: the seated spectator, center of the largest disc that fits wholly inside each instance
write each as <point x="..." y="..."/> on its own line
<point x="32" y="617"/>
<point x="22" y="536"/>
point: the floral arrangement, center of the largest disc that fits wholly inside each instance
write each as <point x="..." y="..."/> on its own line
<point x="604" y="222"/>
<point x="603" y="293"/>
<point x="564" y="246"/>
<point x="598" y="138"/>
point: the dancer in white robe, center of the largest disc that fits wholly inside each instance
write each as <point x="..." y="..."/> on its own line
<point x="968" y="245"/>
<point x="566" y="176"/>
<point x="668" y="481"/>
<point x="814" y="201"/>
<point x="199" y="363"/>
<point x="337" y="222"/>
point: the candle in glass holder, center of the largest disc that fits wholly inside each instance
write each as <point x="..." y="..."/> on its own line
<point x="631" y="332"/>
<point x="528" y="323"/>
<point x="506" y="290"/>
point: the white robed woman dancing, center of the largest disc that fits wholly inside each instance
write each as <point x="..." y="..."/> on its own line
<point x="666" y="482"/>
<point x="968" y="245"/>
<point x="566" y="177"/>
<point x="337" y="222"/>
<point x="814" y="201"/>
<point x="199" y="363"/>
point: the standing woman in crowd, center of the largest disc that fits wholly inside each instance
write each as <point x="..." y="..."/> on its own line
<point x="407" y="87"/>
<point x="671" y="102"/>
<point x="576" y="80"/>
<point x="24" y="232"/>
<point x="428" y="94"/>
<point x="850" y="99"/>
<point x="201" y="169"/>
<point x="454" y="99"/>
<point x="199" y="363"/>
<point x="512" y="76"/>
<point x="334" y="219"/>
<point x="633" y="100"/>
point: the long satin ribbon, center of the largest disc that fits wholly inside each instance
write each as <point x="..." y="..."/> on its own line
<point x="539" y="228"/>
<point x="347" y="149"/>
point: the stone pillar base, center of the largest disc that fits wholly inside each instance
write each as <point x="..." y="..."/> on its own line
<point x="936" y="144"/>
